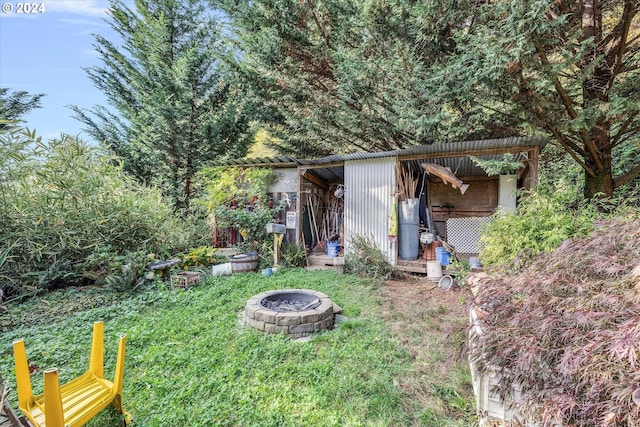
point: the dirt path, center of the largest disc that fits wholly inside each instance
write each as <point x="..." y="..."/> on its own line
<point x="431" y="325"/>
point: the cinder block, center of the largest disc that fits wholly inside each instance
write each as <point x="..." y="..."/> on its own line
<point x="287" y="319"/>
<point x="275" y="329"/>
<point x="256" y="324"/>
<point x="265" y="315"/>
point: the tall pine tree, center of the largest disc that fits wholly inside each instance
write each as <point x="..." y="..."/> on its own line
<point x="351" y="75"/>
<point x="567" y="68"/>
<point x="15" y="105"/>
<point x="175" y="108"/>
<point x="368" y="75"/>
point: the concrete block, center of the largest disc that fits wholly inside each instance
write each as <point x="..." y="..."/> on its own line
<point x="275" y="329"/>
<point x="287" y="319"/>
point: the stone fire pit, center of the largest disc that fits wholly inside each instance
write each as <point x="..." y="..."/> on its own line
<point x="294" y="312"/>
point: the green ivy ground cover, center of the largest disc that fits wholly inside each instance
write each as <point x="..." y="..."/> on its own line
<point x="189" y="363"/>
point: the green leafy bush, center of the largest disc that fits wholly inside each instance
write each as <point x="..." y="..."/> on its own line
<point x="237" y="198"/>
<point x="544" y="220"/>
<point x="293" y="255"/>
<point x="506" y="165"/>
<point x="202" y="256"/>
<point x="129" y="273"/>
<point x="367" y="260"/>
<point x="548" y="216"/>
<point x="62" y="201"/>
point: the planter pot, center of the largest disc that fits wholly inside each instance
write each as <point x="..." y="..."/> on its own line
<point x="244" y="262"/>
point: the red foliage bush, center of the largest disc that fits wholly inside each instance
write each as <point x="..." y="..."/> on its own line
<point x="567" y="330"/>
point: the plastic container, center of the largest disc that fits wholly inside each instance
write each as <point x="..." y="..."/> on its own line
<point x="474" y="262"/>
<point x="332" y="249"/>
<point x="434" y="270"/>
<point x="446" y="282"/>
<point x="426" y="238"/>
<point x="221" y="269"/>
<point x="443" y="256"/>
<point x="408" y="229"/>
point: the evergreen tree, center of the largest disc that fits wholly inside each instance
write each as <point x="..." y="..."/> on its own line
<point x="176" y="108"/>
<point x="15" y="105"/>
<point x="566" y="68"/>
<point x="365" y="75"/>
<point x="352" y="75"/>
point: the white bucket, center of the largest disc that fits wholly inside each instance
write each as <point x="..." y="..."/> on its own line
<point x="221" y="269"/>
<point x="434" y="270"/>
<point x="426" y="238"/>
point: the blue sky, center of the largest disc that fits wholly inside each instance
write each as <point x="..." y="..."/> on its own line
<point x="45" y="53"/>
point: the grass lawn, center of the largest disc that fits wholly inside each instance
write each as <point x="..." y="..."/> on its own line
<point x="190" y="363"/>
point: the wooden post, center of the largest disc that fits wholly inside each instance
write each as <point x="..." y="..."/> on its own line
<point x="531" y="180"/>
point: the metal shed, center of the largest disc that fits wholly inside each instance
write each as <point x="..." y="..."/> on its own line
<point x="369" y="182"/>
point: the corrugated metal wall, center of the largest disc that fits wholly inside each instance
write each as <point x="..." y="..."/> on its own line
<point x="367" y="203"/>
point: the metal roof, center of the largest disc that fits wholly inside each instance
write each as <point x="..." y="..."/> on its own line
<point x="441" y="150"/>
<point x="461" y="166"/>
<point x="453" y="149"/>
<point x="280" y="162"/>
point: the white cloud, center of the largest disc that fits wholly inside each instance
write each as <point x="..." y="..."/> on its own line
<point x="83" y="22"/>
<point x="78" y="7"/>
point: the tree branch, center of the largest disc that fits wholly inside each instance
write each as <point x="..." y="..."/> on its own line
<point x="614" y="58"/>
<point x="632" y="68"/>
<point x="633" y="40"/>
<point x="615" y="139"/>
<point x="569" y="146"/>
<point x="633" y="173"/>
<point x="568" y="104"/>
<point x="630" y="134"/>
<point x="566" y="100"/>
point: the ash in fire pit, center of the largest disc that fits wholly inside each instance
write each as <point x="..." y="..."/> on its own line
<point x="291" y="301"/>
<point x="295" y="312"/>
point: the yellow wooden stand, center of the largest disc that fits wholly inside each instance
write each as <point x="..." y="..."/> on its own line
<point x="277" y="242"/>
<point x="76" y="402"/>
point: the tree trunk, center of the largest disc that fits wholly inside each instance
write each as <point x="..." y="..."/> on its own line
<point x="602" y="183"/>
<point x="602" y="179"/>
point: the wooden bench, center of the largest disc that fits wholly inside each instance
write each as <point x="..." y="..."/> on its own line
<point x="76" y="402"/>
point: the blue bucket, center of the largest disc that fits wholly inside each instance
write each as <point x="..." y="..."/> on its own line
<point x="443" y="256"/>
<point x="332" y="249"/>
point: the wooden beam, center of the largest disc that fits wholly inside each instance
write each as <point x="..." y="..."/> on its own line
<point x="299" y="225"/>
<point x="323" y="165"/>
<point x="314" y="179"/>
<point x="532" y="176"/>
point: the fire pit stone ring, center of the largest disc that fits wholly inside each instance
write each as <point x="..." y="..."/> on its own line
<point x="294" y="312"/>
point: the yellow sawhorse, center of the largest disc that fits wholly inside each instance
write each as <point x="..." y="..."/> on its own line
<point x="76" y="402"/>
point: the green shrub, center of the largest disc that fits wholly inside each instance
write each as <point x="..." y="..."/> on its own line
<point x="130" y="273"/>
<point x="293" y="255"/>
<point x="553" y="213"/>
<point x="62" y="201"/>
<point x="367" y="260"/>
<point x="202" y="256"/>
<point x="544" y="220"/>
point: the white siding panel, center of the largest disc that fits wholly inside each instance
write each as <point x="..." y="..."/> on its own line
<point x="369" y="196"/>
<point x="286" y="181"/>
